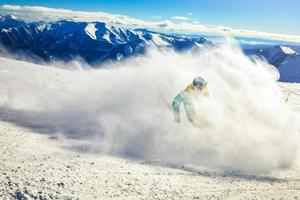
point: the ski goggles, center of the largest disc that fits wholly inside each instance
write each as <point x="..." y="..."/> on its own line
<point x="199" y="84"/>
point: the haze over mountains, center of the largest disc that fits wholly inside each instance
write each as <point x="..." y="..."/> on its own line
<point x="97" y="42"/>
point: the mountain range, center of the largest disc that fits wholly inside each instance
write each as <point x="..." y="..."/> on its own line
<point x="94" y="42"/>
<point x="97" y="42"/>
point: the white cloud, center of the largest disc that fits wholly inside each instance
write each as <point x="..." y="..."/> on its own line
<point x="156" y="17"/>
<point x="190" y="14"/>
<point x="180" y="24"/>
<point x="180" y="18"/>
<point x="33" y="13"/>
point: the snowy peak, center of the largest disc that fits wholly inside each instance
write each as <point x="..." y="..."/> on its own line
<point x="285" y="58"/>
<point x="91" y="29"/>
<point x="282" y="50"/>
<point x="10" y="21"/>
<point x="274" y="55"/>
<point x="7" y="17"/>
<point x="287" y="50"/>
<point x="11" y="17"/>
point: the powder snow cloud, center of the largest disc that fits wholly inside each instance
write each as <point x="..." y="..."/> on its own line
<point x="38" y="13"/>
<point x="247" y="126"/>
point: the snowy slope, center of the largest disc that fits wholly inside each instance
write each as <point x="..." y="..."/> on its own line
<point x="10" y="21"/>
<point x="90" y="29"/>
<point x="34" y="166"/>
<point x="290" y="69"/>
<point x="285" y="58"/>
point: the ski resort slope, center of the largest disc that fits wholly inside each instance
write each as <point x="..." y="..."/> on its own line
<point x="106" y="134"/>
<point x="36" y="166"/>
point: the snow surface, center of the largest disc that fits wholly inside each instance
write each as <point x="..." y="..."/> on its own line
<point x="106" y="37"/>
<point x="4" y="30"/>
<point x="35" y="165"/>
<point x="287" y="50"/>
<point x="158" y="40"/>
<point x="91" y="29"/>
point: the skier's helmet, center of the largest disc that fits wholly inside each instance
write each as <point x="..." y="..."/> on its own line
<point x="199" y="82"/>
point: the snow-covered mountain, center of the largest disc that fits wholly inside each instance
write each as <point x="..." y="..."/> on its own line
<point x="10" y="21"/>
<point x="285" y="58"/>
<point x="94" y="42"/>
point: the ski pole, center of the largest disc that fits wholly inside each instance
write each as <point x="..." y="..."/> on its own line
<point x="288" y="96"/>
<point x="166" y="102"/>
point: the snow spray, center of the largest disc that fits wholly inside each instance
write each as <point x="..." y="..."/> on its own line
<point x="118" y="109"/>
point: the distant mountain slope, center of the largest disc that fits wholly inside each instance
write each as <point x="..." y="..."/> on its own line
<point x="94" y="42"/>
<point x="285" y="58"/>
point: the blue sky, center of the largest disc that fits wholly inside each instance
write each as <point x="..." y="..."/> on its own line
<point x="275" y="16"/>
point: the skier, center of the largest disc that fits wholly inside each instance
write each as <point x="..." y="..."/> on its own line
<point x="190" y="97"/>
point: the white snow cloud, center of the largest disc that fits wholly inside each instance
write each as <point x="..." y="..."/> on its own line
<point x="180" y="24"/>
<point x="132" y="119"/>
